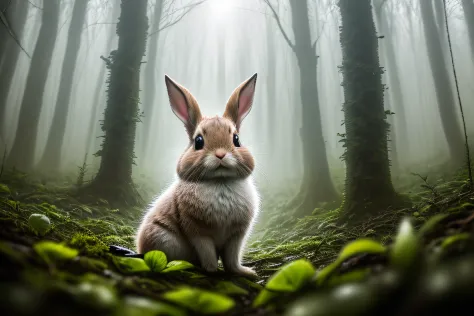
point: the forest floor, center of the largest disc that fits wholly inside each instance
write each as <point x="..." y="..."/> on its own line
<point x="404" y="262"/>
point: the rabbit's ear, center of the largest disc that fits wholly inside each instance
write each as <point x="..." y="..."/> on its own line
<point x="240" y="102"/>
<point x="183" y="104"/>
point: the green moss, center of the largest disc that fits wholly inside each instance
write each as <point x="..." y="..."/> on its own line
<point x="88" y="245"/>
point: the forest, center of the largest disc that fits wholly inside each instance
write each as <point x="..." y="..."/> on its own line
<point x="358" y="140"/>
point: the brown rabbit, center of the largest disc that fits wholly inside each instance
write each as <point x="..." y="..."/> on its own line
<point x="210" y="209"/>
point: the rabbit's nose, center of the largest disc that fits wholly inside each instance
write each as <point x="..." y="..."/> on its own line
<point x="220" y="153"/>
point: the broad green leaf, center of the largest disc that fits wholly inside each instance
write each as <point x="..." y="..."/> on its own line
<point x="406" y="245"/>
<point x="349" y="277"/>
<point x="156" y="260"/>
<point x="454" y="238"/>
<point x="291" y="277"/>
<point x="229" y="288"/>
<point x="141" y="306"/>
<point x="323" y="274"/>
<point x="360" y="246"/>
<point x="39" y="223"/>
<point x="431" y="223"/>
<point x="264" y="297"/>
<point x="200" y="301"/>
<point x="132" y="264"/>
<point x="177" y="265"/>
<point x="51" y="251"/>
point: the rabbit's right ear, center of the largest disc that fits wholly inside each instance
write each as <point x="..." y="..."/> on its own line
<point x="184" y="105"/>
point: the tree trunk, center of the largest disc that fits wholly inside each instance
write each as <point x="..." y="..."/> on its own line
<point x="317" y="185"/>
<point x="51" y="159"/>
<point x="113" y="181"/>
<point x="98" y="100"/>
<point x="368" y="188"/>
<point x="468" y="8"/>
<point x="149" y="90"/>
<point x="11" y="52"/>
<point x="443" y="87"/>
<point x="22" y="153"/>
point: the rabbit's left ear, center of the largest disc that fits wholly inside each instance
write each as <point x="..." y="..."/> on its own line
<point x="240" y="101"/>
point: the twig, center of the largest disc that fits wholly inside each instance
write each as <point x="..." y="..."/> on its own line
<point x="277" y="19"/>
<point x="4" y="20"/>
<point x="468" y="156"/>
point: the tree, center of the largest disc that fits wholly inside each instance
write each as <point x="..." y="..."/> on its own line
<point x="468" y="8"/>
<point x="444" y="91"/>
<point x="271" y="82"/>
<point x="114" y="178"/>
<point x="11" y="52"/>
<point x="368" y="187"/>
<point x="317" y="185"/>
<point x="149" y="90"/>
<point x="52" y="154"/>
<point x="22" y="153"/>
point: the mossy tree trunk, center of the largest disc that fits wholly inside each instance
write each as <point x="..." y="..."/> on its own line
<point x="10" y="51"/>
<point x="317" y="185"/>
<point x="149" y="90"/>
<point x="442" y="83"/>
<point x="51" y="158"/>
<point x="22" y="153"/>
<point x="113" y="181"/>
<point x="468" y="8"/>
<point x="368" y="186"/>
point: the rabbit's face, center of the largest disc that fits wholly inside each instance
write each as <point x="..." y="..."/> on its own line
<point x="215" y="149"/>
<point x="215" y="152"/>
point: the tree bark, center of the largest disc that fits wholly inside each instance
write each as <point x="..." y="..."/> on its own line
<point x="11" y="52"/>
<point x="468" y="8"/>
<point x="113" y="181"/>
<point x="149" y="90"/>
<point x="22" y="153"/>
<point x="51" y="159"/>
<point x="442" y="82"/>
<point x="368" y="187"/>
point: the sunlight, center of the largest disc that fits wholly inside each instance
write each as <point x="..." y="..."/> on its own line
<point x="221" y="7"/>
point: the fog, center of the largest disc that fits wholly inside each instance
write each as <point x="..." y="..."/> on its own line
<point x="210" y="47"/>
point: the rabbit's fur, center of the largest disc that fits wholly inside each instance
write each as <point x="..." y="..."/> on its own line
<point x="210" y="209"/>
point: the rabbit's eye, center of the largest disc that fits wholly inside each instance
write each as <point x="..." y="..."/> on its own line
<point x="236" y="140"/>
<point x="199" y="142"/>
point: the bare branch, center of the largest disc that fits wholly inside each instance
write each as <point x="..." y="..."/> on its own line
<point x="186" y="9"/>
<point x="4" y="20"/>
<point x="277" y="19"/>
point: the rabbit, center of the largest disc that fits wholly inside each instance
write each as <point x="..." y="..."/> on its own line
<point x="210" y="210"/>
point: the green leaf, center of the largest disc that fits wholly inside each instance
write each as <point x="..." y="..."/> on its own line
<point x="264" y="297"/>
<point x="4" y="189"/>
<point x="431" y="224"/>
<point x="39" y="223"/>
<point x="177" y="265"/>
<point x="200" y="301"/>
<point x="97" y="295"/>
<point x="141" y="306"/>
<point x="405" y="247"/>
<point x="131" y="264"/>
<point x="229" y="288"/>
<point x="454" y="238"/>
<point x="51" y="251"/>
<point x="156" y="260"/>
<point x="360" y="246"/>
<point x="291" y="277"/>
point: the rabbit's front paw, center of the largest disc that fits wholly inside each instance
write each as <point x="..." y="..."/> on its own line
<point x="245" y="272"/>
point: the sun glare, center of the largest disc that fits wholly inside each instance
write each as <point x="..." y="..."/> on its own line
<point x="221" y="6"/>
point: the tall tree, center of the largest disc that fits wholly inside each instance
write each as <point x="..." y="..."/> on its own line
<point x="395" y="88"/>
<point x="22" y="153"/>
<point x="368" y="186"/>
<point x="317" y="185"/>
<point x="52" y="154"/>
<point x="11" y="52"/>
<point x="150" y="85"/>
<point x="442" y="82"/>
<point x="114" y="178"/>
<point x="468" y="8"/>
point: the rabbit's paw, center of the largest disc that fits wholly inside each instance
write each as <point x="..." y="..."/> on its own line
<point x="245" y="272"/>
